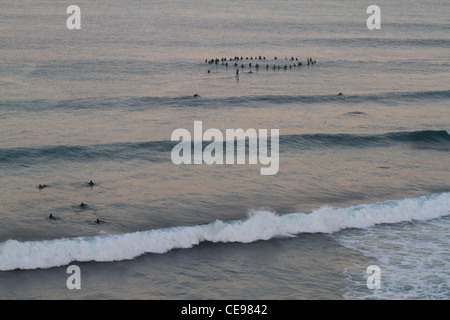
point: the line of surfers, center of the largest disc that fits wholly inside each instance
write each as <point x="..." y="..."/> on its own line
<point x="82" y="204"/>
<point x="224" y="61"/>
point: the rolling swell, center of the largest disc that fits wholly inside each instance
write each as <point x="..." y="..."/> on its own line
<point x="159" y="151"/>
<point x="256" y="101"/>
<point x="150" y="151"/>
<point x="439" y="140"/>
<point x="260" y="225"/>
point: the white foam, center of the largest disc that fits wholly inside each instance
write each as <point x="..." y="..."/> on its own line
<point x="261" y="225"/>
<point x="413" y="260"/>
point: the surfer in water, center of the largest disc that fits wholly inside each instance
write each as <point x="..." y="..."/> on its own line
<point x="90" y="184"/>
<point x="83" y="205"/>
<point x="42" y="186"/>
<point x="51" y="217"/>
<point x="98" y="221"/>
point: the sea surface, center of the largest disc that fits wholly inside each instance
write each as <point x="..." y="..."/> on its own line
<point x="363" y="177"/>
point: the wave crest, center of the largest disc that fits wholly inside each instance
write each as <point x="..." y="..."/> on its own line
<point x="260" y="225"/>
<point x="157" y="151"/>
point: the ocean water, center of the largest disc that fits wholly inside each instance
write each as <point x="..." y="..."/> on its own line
<point x="363" y="177"/>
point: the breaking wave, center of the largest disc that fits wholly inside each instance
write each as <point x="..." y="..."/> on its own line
<point x="260" y="225"/>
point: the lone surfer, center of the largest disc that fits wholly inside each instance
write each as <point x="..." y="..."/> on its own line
<point x="90" y="183"/>
<point x="83" y="205"/>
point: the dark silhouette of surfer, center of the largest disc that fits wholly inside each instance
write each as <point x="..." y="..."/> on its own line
<point x="91" y="183"/>
<point x="51" y="217"/>
<point x="42" y="186"/>
<point x="83" y="205"/>
<point x="98" y="221"/>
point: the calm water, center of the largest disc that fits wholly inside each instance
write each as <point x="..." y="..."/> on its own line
<point x="364" y="177"/>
